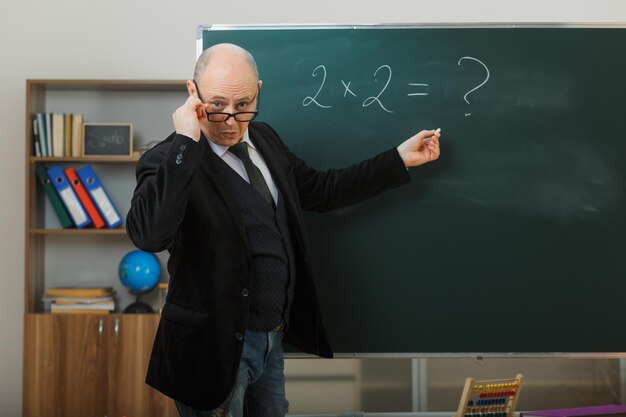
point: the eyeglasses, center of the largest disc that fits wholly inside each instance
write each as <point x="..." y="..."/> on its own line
<point x="242" y="116"/>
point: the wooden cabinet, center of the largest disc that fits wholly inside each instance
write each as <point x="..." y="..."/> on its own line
<point x="130" y="344"/>
<point x="65" y="370"/>
<point x="90" y="365"/>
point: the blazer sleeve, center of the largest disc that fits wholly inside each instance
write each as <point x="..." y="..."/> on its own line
<point x="164" y="175"/>
<point x="324" y="191"/>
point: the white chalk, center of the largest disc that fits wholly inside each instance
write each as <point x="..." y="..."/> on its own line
<point x="438" y="130"/>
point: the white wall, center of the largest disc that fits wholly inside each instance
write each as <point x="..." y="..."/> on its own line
<point x="155" y="40"/>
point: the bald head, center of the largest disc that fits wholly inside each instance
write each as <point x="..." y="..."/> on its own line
<point x="225" y="55"/>
<point x="226" y="80"/>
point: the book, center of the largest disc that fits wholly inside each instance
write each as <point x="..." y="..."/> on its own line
<point x="110" y="306"/>
<point x="80" y="311"/>
<point x="41" y="129"/>
<point x="102" y="301"/>
<point x="58" y="134"/>
<point x="81" y="292"/>
<point x="70" y="301"/>
<point x="67" y="125"/>
<point x="48" y="124"/>
<point x="77" y="135"/>
<point x="83" y="300"/>
<point x="53" y="197"/>
<point x="36" y="137"/>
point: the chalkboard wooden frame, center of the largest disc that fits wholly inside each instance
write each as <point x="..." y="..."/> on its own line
<point x="107" y="139"/>
<point x="561" y="274"/>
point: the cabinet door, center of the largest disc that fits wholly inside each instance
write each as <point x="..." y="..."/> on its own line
<point x="65" y="370"/>
<point x="130" y="343"/>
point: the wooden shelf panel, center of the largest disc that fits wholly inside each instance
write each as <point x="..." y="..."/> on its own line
<point x="139" y="315"/>
<point x="86" y="231"/>
<point x="85" y="159"/>
<point x="109" y="85"/>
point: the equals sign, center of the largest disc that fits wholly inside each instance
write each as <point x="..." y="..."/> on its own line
<point x="418" y="85"/>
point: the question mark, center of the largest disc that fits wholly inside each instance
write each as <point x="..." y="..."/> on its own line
<point x="479" y="85"/>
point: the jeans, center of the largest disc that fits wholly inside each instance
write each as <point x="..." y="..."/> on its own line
<point x="259" y="390"/>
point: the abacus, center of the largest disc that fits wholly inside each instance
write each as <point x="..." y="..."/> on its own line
<point x="490" y="398"/>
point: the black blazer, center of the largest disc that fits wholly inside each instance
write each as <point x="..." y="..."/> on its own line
<point x="182" y="205"/>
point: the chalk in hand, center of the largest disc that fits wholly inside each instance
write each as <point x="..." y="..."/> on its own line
<point x="427" y="140"/>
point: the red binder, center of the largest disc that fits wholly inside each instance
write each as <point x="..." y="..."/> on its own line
<point x="84" y="198"/>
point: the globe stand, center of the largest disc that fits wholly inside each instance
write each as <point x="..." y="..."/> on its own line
<point x="138" y="307"/>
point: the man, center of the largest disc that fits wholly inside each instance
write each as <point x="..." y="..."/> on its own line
<point x="225" y="197"/>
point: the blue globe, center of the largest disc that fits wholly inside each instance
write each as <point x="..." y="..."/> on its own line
<point x="139" y="271"/>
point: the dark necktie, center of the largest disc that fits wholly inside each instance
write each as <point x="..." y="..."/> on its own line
<point x="254" y="173"/>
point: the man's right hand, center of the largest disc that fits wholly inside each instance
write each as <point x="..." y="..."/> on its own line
<point x="187" y="118"/>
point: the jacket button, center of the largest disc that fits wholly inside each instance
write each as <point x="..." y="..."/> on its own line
<point x="245" y="292"/>
<point x="239" y="336"/>
<point x="183" y="147"/>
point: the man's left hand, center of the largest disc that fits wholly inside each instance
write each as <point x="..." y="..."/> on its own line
<point x="420" y="148"/>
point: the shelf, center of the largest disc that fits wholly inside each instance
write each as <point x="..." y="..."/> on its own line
<point x="85" y="159"/>
<point x="58" y="256"/>
<point x="110" y="85"/>
<point x="86" y="231"/>
<point x="112" y="314"/>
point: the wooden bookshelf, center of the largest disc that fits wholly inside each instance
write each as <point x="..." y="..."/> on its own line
<point x="148" y="105"/>
<point x="81" y="364"/>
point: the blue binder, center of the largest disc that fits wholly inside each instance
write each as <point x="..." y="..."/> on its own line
<point x="68" y="196"/>
<point x="99" y="196"/>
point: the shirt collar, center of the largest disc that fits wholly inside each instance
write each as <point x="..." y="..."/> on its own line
<point x="220" y="150"/>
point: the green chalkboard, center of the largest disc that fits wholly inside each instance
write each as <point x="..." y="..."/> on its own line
<point x="515" y="239"/>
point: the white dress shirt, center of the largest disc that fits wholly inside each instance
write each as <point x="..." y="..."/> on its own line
<point x="236" y="164"/>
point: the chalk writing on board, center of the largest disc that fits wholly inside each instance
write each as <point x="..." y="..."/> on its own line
<point x="479" y="85"/>
<point x="308" y="100"/>
<point x="375" y="99"/>
<point x="367" y="102"/>
<point x="114" y="138"/>
<point x="417" y="89"/>
<point x="347" y="89"/>
<point x="418" y="85"/>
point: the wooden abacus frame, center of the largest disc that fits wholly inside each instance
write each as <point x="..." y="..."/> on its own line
<point x="490" y="397"/>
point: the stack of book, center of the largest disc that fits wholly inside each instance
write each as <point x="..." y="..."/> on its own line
<point x="58" y="134"/>
<point x="80" y="300"/>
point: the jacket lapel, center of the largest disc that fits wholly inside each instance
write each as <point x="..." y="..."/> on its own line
<point x="209" y="169"/>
